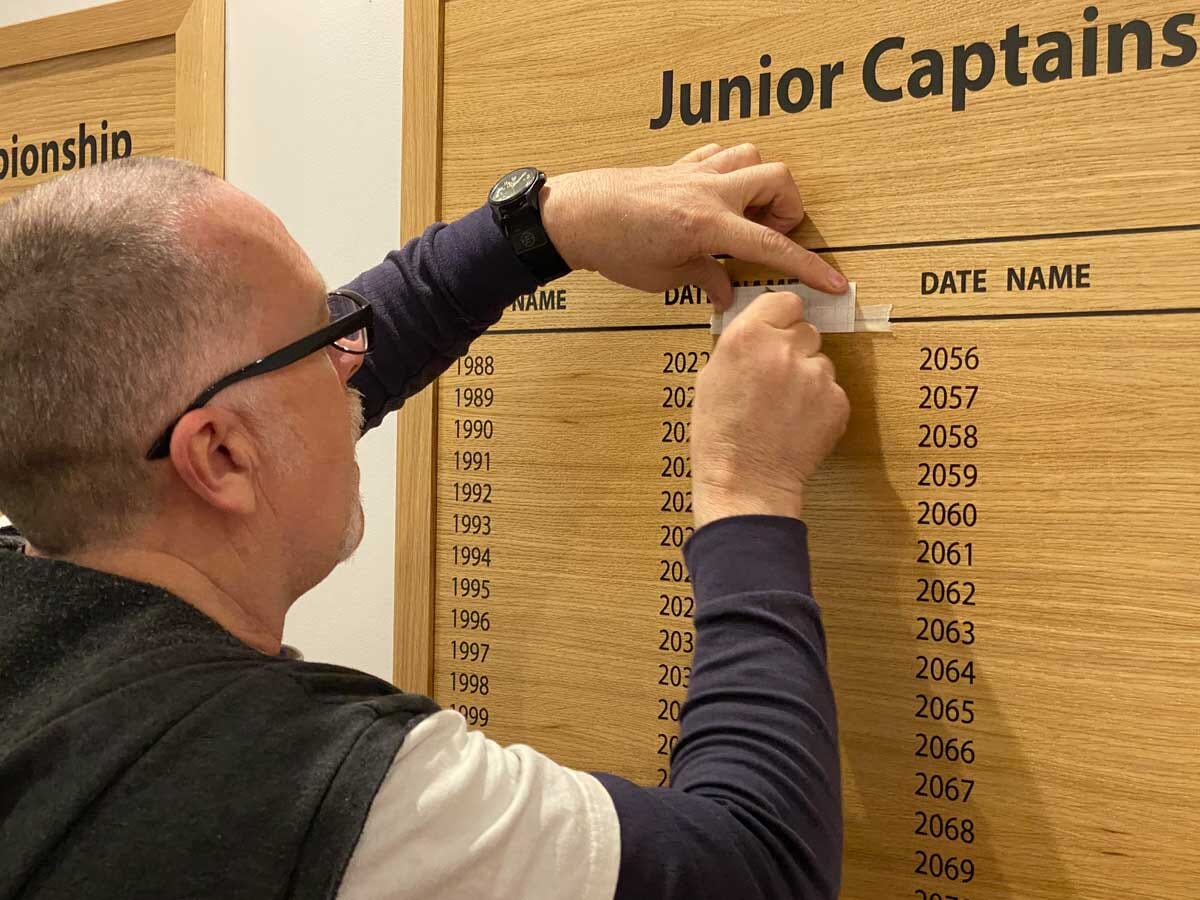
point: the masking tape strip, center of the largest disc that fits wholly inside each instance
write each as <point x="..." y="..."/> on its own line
<point x="873" y="318"/>
<point x="830" y="313"/>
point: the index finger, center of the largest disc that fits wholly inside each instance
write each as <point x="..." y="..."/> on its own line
<point x="700" y="154"/>
<point x="749" y="241"/>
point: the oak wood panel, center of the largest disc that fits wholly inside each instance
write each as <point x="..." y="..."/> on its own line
<point x="416" y="438"/>
<point x="1087" y="707"/>
<point x="1081" y="434"/>
<point x="131" y="87"/>
<point x="1018" y="160"/>
<point x="200" y="84"/>
<point x="1116" y="280"/>
<point x="96" y="28"/>
<point x="154" y="70"/>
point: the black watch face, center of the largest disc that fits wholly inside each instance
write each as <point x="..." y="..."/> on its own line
<point x="513" y="185"/>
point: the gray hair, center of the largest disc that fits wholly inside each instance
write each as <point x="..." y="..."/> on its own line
<point x="107" y="325"/>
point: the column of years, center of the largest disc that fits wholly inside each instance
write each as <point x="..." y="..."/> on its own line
<point x="946" y="594"/>
<point x="674" y="603"/>
<point x="471" y="614"/>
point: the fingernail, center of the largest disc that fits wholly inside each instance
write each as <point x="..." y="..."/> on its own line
<point x="839" y="282"/>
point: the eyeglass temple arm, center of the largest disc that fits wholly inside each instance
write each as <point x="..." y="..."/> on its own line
<point x="271" y="363"/>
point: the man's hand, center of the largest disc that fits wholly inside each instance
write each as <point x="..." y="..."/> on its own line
<point x="657" y="228"/>
<point x="767" y="412"/>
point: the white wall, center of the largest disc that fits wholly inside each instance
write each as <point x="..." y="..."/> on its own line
<point x="313" y="131"/>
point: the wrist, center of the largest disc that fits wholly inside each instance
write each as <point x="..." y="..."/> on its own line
<point x="713" y="503"/>
<point x="748" y="554"/>
<point x="557" y="205"/>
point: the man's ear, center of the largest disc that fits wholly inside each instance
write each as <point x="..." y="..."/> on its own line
<point x="214" y="455"/>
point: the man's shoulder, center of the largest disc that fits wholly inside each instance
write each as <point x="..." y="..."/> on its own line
<point x="324" y="687"/>
<point x="242" y="693"/>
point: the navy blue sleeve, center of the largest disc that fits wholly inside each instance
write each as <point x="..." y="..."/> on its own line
<point x="754" y="807"/>
<point x="432" y="298"/>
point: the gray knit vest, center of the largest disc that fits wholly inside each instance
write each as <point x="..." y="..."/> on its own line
<point x="146" y="754"/>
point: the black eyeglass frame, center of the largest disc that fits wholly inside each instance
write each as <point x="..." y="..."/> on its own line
<point x="362" y="317"/>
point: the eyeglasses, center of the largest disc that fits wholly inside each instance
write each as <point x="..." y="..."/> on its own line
<point x="351" y="330"/>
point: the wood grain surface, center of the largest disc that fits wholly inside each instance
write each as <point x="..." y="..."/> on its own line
<point x="416" y="435"/>
<point x="200" y="85"/>
<point x="152" y="71"/>
<point x="95" y="28"/>
<point x="1003" y="543"/>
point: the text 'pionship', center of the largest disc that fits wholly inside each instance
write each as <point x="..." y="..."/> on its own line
<point x="26" y="159"/>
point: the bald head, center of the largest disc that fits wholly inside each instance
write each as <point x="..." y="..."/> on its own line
<point x="249" y="239"/>
<point x="119" y="296"/>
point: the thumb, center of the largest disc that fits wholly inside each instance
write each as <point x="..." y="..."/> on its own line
<point x="712" y="278"/>
<point x="779" y="309"/>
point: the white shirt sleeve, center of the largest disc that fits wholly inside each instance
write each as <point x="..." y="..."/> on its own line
<point x="459" y="816"/>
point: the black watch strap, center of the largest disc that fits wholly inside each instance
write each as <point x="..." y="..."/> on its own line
<point x="521" y="222"/>
<point x="545" y="263"/>
<point x="524" y="229"/>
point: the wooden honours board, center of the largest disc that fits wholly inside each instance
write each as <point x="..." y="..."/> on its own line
<point x="140" y="77"/>
<point x="1004" y="541"/>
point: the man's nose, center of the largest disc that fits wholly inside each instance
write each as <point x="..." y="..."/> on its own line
<point x="345" y="363"/>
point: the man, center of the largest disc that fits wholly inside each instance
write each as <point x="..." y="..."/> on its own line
<point x="181" y="403"/>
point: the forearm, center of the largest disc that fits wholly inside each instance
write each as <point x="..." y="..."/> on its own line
<point x="754" y="810"/>
<point x="432" y="298"/>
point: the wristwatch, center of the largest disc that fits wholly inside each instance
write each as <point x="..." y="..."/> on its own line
<point x="514" y="201"/>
